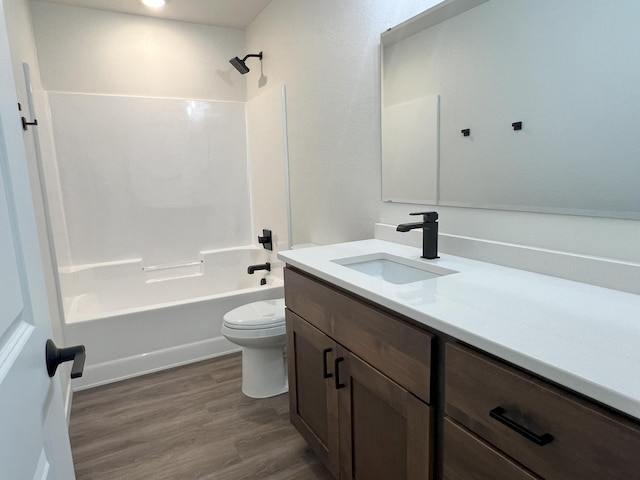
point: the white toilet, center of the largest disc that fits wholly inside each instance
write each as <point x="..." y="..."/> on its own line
<point x="259" y="328"/>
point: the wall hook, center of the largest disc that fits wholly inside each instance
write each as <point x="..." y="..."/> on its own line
<point x="517" y="125"/>
<point x="466" y="132"/>
<point x="25" y="123"/>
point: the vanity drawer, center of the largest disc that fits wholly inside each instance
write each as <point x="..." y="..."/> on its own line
<point x="586" y="441"/>
<point x="394" y="347"/>
<point x="466" y="457"/>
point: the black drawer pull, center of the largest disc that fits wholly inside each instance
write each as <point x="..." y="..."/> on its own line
<point x="337" y="370"/>
<point x="325" y="373"/>
<point x="498" y="414"/>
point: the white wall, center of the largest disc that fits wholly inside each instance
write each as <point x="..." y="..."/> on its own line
<point x="327" y="54"/>
<point x="94" y="51"/>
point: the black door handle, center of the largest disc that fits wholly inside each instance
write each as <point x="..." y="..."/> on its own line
<point x="325" y="373"/>
<point x="336" y="367"/>
<point x="498" y="414"/>
<point x="55" y="356"/>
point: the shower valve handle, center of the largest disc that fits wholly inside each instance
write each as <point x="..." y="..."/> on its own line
<point x="266" y="239"/>
<point x="55" y="356"/>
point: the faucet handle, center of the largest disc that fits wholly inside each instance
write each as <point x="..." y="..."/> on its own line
<point x="266" y="239"/>
<point x="429" y="217"/>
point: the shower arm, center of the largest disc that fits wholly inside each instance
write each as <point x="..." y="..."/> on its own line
<point x="259" y="55"/>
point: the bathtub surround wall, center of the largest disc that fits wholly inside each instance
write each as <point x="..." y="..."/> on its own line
<point x="267" y="135"/>
<point x="150" y="177"/>
<point x="327" y="53"/>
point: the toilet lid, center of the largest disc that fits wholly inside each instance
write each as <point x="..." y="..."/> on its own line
<point x="263" y="314"/>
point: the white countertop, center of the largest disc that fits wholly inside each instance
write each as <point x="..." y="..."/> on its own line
<point x="581" y="336"/>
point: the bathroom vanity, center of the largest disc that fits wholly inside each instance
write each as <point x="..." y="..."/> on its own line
<point x="359" y="381"/>
<point x="473" y="371"/>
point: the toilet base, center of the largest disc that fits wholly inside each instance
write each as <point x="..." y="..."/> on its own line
<point x="264" y="372"/>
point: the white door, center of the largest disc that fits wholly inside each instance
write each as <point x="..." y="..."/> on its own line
<point x="34" y="441"/>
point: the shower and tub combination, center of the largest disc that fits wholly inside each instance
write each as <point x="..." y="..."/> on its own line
<point x="156" y="223"/>
<point x="134" y="319"/>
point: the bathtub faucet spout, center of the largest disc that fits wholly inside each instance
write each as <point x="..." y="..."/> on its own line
<point x="263" y="266"/>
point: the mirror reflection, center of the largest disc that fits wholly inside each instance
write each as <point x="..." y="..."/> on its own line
<point x="566" y="71"/>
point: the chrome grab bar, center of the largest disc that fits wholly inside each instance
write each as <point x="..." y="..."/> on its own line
<point x="172" y="265"/>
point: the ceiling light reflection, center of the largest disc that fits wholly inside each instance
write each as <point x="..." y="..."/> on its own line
<point x="154" y="3"/>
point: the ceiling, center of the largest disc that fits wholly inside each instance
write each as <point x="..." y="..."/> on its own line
<point x="221" y="13"/>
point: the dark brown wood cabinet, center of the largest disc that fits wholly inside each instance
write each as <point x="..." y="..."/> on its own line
<point x="385" y="431"/>
<point x="372" y="399"/>
<point x="469" y="458"/>
<point x="313" y="398"/>
<point x="546" y="429"/>
<point x="360" y="421"/>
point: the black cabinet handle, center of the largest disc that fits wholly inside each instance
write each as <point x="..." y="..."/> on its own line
<point x="498" y="414"/>
<point x="336" y="366"/>
<point x="325" y="373"/>
<point x="55" y="356"/>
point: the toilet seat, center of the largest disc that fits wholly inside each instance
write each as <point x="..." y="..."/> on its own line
<point x="262" y="315"/>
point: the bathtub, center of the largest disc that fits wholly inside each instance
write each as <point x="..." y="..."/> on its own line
<point x="135" y="319"/>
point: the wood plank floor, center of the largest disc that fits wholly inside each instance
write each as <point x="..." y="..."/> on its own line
<point x="190" y="422"/>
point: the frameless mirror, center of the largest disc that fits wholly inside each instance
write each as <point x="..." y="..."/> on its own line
<point x="459" y="78"/>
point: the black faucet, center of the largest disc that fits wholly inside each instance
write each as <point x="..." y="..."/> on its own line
<point x="262" y="266"/>
<point x="429" y="227"/>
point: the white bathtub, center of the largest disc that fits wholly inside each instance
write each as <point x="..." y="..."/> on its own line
<point x="135" y="319"/>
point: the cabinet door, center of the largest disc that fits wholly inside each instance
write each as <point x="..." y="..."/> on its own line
<point x="313" y="399"/>
<point x="385" y="432"/>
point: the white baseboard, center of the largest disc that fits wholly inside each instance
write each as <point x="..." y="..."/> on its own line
<point x="121" y="369"/>
<point x="603" y="272"/>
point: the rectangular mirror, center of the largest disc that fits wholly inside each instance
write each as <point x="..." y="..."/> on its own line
<point x="568" y="71"/>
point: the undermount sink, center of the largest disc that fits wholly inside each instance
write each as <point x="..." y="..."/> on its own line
<point x="392" y="268"/>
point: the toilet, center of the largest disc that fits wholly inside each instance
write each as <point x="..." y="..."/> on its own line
<point x="259" y="328"/>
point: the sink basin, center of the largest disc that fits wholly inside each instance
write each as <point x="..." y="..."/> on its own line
<point x="392" y="268"/>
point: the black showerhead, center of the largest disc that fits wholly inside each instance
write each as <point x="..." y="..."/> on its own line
<point x="240" y="65"/>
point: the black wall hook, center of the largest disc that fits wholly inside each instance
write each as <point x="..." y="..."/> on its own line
<point x="517" y="125"/>
<point x="25" y="123"/>
<point x="465" y="132"/>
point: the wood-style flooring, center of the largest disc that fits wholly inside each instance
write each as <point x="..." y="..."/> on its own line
<point x="190" y="422"/>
